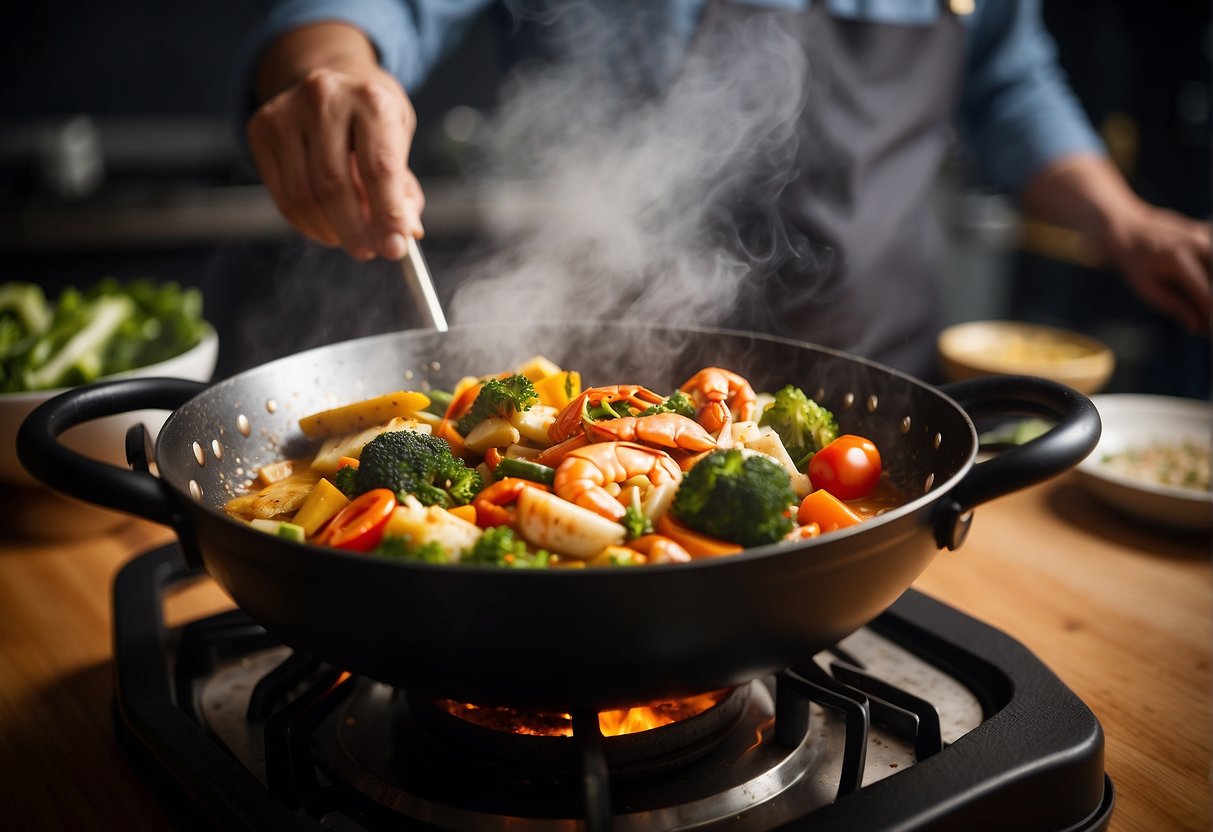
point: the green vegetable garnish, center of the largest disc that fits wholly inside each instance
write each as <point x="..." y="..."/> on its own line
<point x="636" y="522"/>
<point x="804" y="426"/>
<point x="742" y="498"/>
<point x="440" y="400"/>
<point x="524" y="469"/>
<point x="499" y="546"/>
<point x="411" y="463"/>
<point x="678" y="402"/>
<point x="110" y="328"/>
<point x="499" y="397"/>
<point x="401" y="546"/>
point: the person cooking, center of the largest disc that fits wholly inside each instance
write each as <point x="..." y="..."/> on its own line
<point x="332" y="127"/>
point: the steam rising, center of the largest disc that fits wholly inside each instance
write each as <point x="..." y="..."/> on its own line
<point x="632" y="179"/>
<point x="607" y="200"/>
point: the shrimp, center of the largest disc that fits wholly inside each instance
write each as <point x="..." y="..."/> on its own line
<point x="553" y="455"/>
<point x="569" y="420"/>
<point x="666" y="430"/>
<point x="581" y="477"/>
<point x="720" y="395"/>
<point x="494" y="505"/>
<point x="659" y="549"/>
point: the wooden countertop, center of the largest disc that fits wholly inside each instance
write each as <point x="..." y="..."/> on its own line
<point x="1121" y="614"/>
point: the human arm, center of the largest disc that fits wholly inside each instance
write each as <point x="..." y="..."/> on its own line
<point x="1031" y="139"/>
<point x="332" y="123"/>
<point x="1164" y="256"/>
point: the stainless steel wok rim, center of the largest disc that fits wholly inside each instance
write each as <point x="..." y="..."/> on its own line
<point x="778" y="549"/>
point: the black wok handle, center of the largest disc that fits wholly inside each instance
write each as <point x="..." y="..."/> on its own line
<point x="1066" y="444"/>
<point x="63" y="469"/>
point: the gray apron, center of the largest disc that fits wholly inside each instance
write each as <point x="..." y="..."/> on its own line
<point x="880" y="102"/>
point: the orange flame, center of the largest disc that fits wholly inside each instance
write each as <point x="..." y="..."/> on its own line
<point x="647" y="717"/>
<point x="611" y="723"/>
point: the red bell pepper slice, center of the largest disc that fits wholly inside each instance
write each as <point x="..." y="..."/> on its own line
<point x="359" y="526"/>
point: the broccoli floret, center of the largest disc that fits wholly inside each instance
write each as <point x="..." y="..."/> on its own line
<point x="413" y="463"/>
<point x="625" y="557"/>
<point x="346" y="480"/>
<point x="499" y="397"/>
<point x="499" y="546"/>
<point x="462" y="483"/>
<point x="678" y="402"/>
<point x="740" y="497"/>
<point x="804" y="426"/>
<point x="401" y="546"/>
<point x="636" y="522"/>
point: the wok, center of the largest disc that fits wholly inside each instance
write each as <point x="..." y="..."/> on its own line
<point x="599" y="637"/>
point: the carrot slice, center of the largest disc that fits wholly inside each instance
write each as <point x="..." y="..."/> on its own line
<point x="492" y="457"/>
<point x="467" y="512"/>
<point x="465" y="393"/>
<point x="446" y="430"/>
<point x="697" y="545"/>
<point x="827" y="511"/>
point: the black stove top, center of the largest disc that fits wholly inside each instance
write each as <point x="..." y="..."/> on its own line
<point x="924" y="719"/>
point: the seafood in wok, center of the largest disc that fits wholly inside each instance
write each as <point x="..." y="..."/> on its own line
<point x="526" y="469"/>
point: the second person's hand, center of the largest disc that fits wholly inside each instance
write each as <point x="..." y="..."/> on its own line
<point x="331" y="141"/>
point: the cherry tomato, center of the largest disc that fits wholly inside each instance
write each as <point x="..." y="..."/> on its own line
<point x="848" y="468"/>
<point x="359" y="526"/>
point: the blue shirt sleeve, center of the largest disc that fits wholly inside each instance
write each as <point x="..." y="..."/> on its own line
<point x="1016" y="108"/>
<point x="410" y="36"/>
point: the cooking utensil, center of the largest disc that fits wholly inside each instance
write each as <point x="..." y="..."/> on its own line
<point x="421" y="286"/>
<point x="562" y="638"/>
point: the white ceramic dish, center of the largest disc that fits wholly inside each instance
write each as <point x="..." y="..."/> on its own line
<point x="38" y="512"/>
<point x="1137" y="421"/>
<point x="103" y="439"/>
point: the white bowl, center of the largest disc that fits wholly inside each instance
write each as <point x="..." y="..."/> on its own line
<point x="102" y="439"/>
<point x="1138" y="421"/>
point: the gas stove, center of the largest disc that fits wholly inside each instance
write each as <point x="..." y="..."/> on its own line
<point x="924" y="719"/>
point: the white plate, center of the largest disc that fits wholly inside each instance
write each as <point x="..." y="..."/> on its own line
<point x="1131" y="421"/>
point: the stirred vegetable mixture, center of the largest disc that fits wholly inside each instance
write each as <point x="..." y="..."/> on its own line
<point x="524" y="469"/>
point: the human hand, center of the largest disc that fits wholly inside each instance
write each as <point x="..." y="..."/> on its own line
<point x="332" y="149"/>
<point x="1165" y="258"/>
<point x="1163" y="255"/>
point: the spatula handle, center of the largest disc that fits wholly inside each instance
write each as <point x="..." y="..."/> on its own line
<point x="421" y="285"/>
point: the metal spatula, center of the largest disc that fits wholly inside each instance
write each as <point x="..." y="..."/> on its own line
<point x="421" y="286"/>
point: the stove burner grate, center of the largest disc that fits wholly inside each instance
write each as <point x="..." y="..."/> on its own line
<point x="925" y="719"/>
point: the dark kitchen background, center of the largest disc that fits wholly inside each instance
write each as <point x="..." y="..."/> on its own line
<point x="120" y="155"/>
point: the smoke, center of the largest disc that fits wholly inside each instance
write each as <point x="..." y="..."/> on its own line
<point x="615" y="179"/>
<point x="631" y="177"/>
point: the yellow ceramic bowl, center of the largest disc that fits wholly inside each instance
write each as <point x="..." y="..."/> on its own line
<point x="983" y="348"/>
